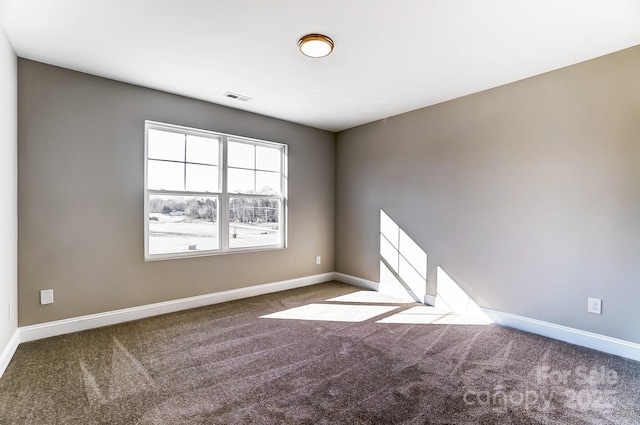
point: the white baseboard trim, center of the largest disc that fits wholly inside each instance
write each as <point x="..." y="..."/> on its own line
<point x="592" y="340"/>
<point x="430" y="300"/>
<point x="618" y="347"/>
<point x="91" y="321"/>
<point x="356" y="281"/>
<point x="9" y="350"/>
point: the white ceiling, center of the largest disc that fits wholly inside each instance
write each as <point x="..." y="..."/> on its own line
<point x="390" y="56"/>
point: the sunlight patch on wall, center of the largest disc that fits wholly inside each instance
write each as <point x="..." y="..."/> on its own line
<point x="391" y="285"/>
<point x="452" y="298"/>
<point x="332" y="312"/>
<point x="403" y="264"/>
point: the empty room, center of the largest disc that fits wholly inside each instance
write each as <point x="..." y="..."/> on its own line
<point x="412" y="212"/>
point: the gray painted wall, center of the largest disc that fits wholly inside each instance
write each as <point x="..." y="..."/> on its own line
<point x="8" y="189"/>
<point x="81" y="197"/>
<point x="527" y="195"/>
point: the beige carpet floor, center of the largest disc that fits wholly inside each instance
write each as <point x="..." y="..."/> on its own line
<point x="326" y="354"/>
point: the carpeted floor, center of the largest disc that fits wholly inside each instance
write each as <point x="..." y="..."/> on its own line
<point x="326" y="354"/>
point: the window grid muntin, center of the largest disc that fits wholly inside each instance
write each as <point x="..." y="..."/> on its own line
<point x="223" y="194"/>
<point x="255" y="143"/>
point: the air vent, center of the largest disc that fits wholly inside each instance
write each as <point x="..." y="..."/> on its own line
<point x="237" y="96"/>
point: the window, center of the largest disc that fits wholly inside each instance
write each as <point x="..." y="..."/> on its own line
<point x="211" y="193"/>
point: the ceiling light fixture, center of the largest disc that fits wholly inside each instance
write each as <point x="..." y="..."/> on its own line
<point x="315" y="45"/>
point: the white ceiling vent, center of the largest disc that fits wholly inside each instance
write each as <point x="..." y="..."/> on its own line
<point x="237" y="96"/>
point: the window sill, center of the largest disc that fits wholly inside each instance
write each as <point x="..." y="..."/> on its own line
<point x="181" y="255"/>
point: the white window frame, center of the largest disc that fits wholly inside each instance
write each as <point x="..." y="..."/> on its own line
<point x="222" y="196"/>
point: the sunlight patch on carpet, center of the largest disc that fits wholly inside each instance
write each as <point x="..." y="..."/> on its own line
<point x="426" y="315"/>
<point x="127" y="377"/>
<point x="331" y="312"/>
<point x="372" y="297"/>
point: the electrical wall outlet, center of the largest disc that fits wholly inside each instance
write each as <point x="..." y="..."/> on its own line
<point x="594" y="305"/>
<point x="46" y="296"/>
<point x="318" y="259"/>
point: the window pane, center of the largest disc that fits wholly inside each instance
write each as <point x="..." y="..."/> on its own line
<point x="165" y="145"/>
<point x="162" y="175"/>
<point x="203" y="150"/>
<point x="253" y="222"/>
<point x="240" y="181"/>
<point x="182" y="224"/>
<point x="267" y="158"/>
<point x="202" y="178"/>
<point x="267" y="183"/>
<point x="241" y="155"/>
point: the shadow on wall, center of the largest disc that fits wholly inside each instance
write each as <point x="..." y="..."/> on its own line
<point x="403" y="274"/>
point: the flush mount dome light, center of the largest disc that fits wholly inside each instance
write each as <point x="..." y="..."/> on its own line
<point x="315" y="45"/>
